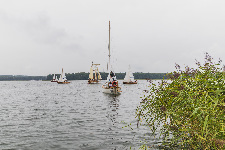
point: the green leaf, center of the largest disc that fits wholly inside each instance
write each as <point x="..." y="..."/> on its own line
<point x="205" y="123"/>
<point x="195" y="111"/>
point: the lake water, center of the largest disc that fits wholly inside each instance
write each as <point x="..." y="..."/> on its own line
<point x="42" y="115"/>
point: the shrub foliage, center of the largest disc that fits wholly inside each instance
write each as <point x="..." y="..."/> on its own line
<point x="189" y="108"/>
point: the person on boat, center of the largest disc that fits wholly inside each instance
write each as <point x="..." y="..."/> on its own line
<point x="111" y="74"/>
<point x="110" y="84"/>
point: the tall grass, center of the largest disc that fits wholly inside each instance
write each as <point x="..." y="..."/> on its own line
<point x="190" y="109"/>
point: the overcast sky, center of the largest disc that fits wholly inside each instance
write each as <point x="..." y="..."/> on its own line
<point x="39" y="37"/>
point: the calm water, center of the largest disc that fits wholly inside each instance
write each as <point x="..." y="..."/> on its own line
<point x="43" y="115"/>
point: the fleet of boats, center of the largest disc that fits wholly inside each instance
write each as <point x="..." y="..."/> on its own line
<point x="111" y="85"/>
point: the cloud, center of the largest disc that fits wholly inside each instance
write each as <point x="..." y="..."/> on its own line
<point x="151" y="36"/>
<point x="33" y="42"/>
<point x="40" y="29"/>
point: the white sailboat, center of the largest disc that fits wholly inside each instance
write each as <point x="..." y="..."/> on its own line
<point x="111" y="86"/>
<point x="94" y="77"/>
<point x="129" y="77"/>
<point x="62" y="78"/>
<point x="54" y="79"/>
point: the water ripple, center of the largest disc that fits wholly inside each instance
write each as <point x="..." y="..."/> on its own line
<point x="44" y="115"/>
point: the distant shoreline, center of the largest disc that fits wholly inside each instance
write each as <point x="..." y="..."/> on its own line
<point x="137" y="75"/>
<point x="82" y="76"/>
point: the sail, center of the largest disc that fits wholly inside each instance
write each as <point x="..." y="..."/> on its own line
<point x="63" y="76"/>
<point x="95" y="77"/>
<point x="91" y="73"/>
<point x="99" y="76"/>
<point x="60" y="78"/>
<point x="129" y="76"/>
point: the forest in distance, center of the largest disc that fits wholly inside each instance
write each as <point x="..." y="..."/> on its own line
<point x="81" y="76"/>
<point x="21" y="78"/>
<point x="85" y="76"/>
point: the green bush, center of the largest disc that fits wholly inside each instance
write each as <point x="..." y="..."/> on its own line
<point x="189" y="108"/>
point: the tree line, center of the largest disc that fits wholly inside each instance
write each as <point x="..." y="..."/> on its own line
<point x="85" y="76"/>
<point x="21" y="78"/>
<point x="81" y="76"/>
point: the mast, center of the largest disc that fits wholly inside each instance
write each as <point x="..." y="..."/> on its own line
<point x="96" y="78"/>
<point x="109" y="50"/>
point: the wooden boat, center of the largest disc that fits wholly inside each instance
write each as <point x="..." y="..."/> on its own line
<point x="94" y="77"/>
<point x="64" y="82"/>
<point x="135" y="82"/>
<point x="129" y="77"/>
<point x="112" y="85"/>
<point x="62" y="79"/>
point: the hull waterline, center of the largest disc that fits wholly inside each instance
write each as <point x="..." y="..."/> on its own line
<point x="63" y="82"/>
<point x="129" y="82"/>
<point x="93" y="82"/>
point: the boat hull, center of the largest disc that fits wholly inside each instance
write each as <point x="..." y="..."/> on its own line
<point x="111" y="90"/>
<point x="54" y="81"/>
<point x="63" y="82"/>
<point x="93" y="81"/>
<point x="129" y="82"/>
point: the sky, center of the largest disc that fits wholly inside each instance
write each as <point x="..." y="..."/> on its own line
<point x="39" y="37"/>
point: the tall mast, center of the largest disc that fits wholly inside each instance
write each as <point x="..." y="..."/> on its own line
<point x="109" y="49"/>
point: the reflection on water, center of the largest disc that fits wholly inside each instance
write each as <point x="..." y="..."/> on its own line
<point x="45" y="115"/>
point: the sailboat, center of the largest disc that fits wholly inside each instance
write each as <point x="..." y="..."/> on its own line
<point x="111" y="86"/>
<point x="54" y="79"/>
<point x="94" y="77"/>
<point x="62" y="79"/>
<point x="129" y="77"/>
